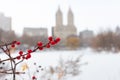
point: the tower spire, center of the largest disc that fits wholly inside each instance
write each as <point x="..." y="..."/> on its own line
<point x="59" y="17"/>
<point x="70" y="19"/>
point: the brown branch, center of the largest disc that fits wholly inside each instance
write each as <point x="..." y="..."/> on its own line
<point x="34" y="50"/>
<point x="4" y="72"/>
<point x="6" y="49"/>
<point x="2" y="45"/>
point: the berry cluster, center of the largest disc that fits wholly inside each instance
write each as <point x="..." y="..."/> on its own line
<point x="40" y="46"/>
<point x="15" y="43"/>
<point x="52" y="41"/>
<point x="6" y="48"/>
<point x="24" y="56"/>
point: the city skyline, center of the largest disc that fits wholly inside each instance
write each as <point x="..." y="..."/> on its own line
<point x="93" y="15"/>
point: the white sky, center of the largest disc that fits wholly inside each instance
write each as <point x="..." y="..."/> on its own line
<point x="89" y="14"/>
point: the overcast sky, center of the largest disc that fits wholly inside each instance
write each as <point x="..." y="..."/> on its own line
<point x="89" y="14"/>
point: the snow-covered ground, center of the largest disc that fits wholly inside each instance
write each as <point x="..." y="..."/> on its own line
<point x="101" y="66"/>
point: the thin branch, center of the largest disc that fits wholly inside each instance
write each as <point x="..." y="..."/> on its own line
<point x="34" y="50"/>
<point x="11" y="72"/>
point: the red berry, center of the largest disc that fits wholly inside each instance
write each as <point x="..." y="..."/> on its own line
<point x="39" y="44"/>
<point x="58" y="39"/>
<point x="28" y="56"/>
<point x="13" y="45"/>
<point x="50" y="38"/>
<point x="18" y="57"/>
<point x="40" y="48"/>
<point x="56" y="42"/>
<point x="20" y="52"/>
<point x="48" y="45"/>
<point x="29" y="51"/>
<point x="33" y="77"/>
<point x="18" y="43"/>
<point x="52" y="42"/>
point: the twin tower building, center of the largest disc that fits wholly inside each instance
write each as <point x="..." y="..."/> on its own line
<point x="61" y="30"/>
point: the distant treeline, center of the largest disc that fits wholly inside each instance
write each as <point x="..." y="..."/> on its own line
<point x="8" y="36"/>
<point x="106" y="40"/>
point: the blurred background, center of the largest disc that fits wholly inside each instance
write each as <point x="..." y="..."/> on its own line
<point x="89" y="31"/>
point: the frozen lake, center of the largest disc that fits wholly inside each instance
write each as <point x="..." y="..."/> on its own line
<point x="101" y="66"/>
